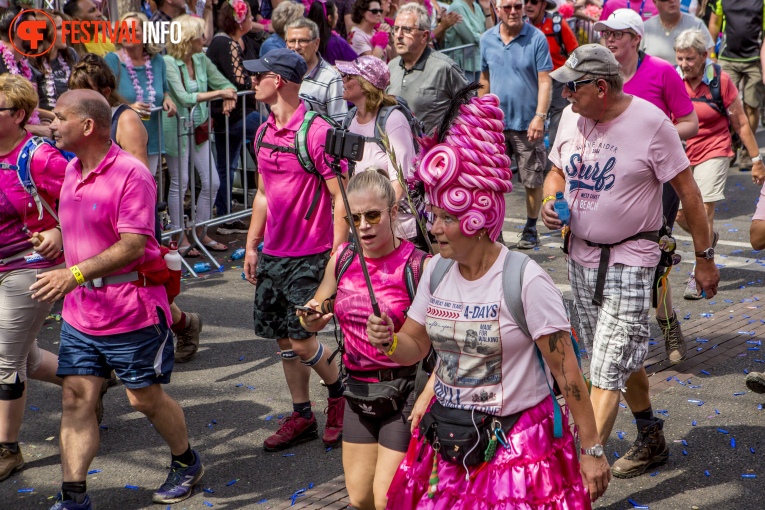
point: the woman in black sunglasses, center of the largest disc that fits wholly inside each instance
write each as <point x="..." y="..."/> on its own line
<point x="379" y="392"/>
<point x="370" y="35"/>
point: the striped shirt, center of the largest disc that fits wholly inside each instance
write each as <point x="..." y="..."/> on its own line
<point x="322" y="91"/>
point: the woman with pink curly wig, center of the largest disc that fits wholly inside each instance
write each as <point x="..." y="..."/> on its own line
<point x="487" y="432"/>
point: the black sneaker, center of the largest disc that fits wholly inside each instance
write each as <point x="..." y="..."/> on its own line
<point x="529" y="239"/>
<point x="233" y="227"/>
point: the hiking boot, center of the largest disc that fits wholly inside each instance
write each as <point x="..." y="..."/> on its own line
<point x="529" y="239"/>
<point x="10" y="462"/>
<point x="755" y="381"/>
<point x="674" y="342"/>
<point x="100" y="401"/>
<point x="188" y="339"/>
<point x="293" y="430"/>
<point x="335" y="412"/>
<point x="233" y="227"/>
<point x="180" y="482"/>
<point x="649" y="450"/>
<point x="69" y="504"/>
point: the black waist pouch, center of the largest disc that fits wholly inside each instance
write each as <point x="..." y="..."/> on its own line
<point x="378" y="400"/>
<point x="461" y="436"/>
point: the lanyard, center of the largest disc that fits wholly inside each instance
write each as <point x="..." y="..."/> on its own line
<point x="642" y="6"/>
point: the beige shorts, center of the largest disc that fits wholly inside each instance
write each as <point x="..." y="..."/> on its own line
<point x="529" y="156"/>
<point x="710" y="176"/>
<point x="747" y="77"/>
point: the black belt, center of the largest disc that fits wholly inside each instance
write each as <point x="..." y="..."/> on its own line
<point x="605" y="257"/>
<point x="388" y="374"/>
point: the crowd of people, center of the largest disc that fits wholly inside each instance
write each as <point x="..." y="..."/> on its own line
<point x="455" y="348"/>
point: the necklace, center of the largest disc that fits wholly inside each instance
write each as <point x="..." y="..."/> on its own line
<point x="20" y="68"/>
<point x="667" y="29"/>
<point x="50" y="82"/>
<point x="134" y="78"/>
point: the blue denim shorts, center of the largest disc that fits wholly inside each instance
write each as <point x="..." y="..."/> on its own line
<point x="140" y="358"/>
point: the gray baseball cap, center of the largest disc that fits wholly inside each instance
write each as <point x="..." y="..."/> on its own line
<point x="587" y="59"/>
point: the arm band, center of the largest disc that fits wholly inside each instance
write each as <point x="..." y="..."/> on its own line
<point x="77" y="275"/>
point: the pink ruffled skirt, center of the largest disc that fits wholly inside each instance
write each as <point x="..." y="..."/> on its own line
<point x="536" y="472"/>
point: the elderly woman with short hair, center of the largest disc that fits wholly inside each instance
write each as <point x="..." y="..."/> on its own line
<point x="193" y="80"/>
<point x="711" y="149"/>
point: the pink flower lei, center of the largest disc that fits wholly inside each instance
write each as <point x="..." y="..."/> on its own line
<point x="19" y="68"/>
<point x="50" y="83"/>
<point x="134" y="78"/>
<point x="240" y="10"/>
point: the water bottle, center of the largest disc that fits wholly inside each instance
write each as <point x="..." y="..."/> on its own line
<point x="173" y="259"/>
<point x="238" y="254"/>
<point x="202" y="267"/>
<point x="561" y="208"/>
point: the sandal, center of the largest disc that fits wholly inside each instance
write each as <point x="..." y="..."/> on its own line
<point x="216" y="246"/>
<point x="189" y="252"/>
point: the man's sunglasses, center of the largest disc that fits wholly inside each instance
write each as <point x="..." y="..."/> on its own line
<point x="372" y="217"/>
<point x="512" y="7"/>
<point x="573" y="85"/>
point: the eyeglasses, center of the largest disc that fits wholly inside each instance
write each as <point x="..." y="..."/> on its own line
<point x="7" y="109"/>
<point x="404" y="30"/>
<point x="300" y="42"/>
<point x="375" y="11"/>
<point x="513" y="7"/>
<point x="617" y="34"/>
<point x="572" y="85"/>
<point x="260" y="76"/>
<point x="372" y="217"/>
<point x="346" y="76"/>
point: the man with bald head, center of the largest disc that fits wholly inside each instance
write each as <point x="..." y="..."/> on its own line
<point x="114" y="317"/>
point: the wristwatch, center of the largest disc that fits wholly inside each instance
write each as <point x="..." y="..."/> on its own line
<point x="596" y="451"/>
<point x="708" y="254"/>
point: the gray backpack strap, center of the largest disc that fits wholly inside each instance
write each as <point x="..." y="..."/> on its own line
<point x="439" y="271"/>
<point x="512" y="284"/>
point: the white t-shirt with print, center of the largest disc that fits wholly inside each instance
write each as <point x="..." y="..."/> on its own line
<point x="485" y="361"/>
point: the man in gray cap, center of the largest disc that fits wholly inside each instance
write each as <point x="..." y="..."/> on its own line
<point x="607" y="172"/>
<point x="292" y="215"/>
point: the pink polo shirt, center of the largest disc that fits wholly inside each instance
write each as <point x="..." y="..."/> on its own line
<point x="290" y="190"/>
<point x="118" y="197"/>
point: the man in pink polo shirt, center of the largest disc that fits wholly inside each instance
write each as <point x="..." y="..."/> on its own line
<point x="292" y="215"/>
<point x="656" y="81"/>
<point x="107" y="220"/>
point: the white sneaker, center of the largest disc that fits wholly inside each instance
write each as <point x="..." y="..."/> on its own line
<point x="691" y="292"/>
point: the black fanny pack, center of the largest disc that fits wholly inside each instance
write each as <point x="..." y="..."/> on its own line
<point x="465" y="437"/>
<point x="383" y="399"/>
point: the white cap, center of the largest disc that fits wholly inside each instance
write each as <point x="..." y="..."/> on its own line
<point x="622" y="19"/>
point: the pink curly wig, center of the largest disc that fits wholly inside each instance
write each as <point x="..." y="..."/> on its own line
<point x="468" y="174"/>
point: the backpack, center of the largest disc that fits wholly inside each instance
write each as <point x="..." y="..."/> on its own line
<point x="24" y="171"/>
<point x="557" y="19"/>
<point x="512" y="284"/>
<point x="716" y="102"/>
<point x="382" y="120"/>
<point x="300" y="150"/>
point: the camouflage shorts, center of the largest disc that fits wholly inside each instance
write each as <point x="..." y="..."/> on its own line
<point x="283" y="284"/>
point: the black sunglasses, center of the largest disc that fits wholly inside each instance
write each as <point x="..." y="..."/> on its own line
<point x="572" y="85"/>
<point x="375" y="11"/>
<point x="372" y="217"/>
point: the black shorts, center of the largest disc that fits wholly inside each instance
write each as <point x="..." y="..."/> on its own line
<point x="283" y="284"/>
<point x="392" y="433"/>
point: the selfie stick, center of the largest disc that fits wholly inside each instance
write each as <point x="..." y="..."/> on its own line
<point x="339" y="173"/>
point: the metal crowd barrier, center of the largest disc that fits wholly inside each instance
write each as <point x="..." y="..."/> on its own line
<point x="185" y="130"/>
<point x="584" y="31"/>
<point x="460" y="53"/>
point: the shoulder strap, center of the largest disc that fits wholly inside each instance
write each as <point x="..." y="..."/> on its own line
<point x="715" y="86"/>
<point x="24" y="173"/>
<point x="558" y="33"/>
<point x="301" y="143"/>
<point x="344" y="260"/>
<point x="413" y="271"/>
<point x="439" y="271"/>
<point x="349" y="115"/>
<point x="512" y="287"/>
<point x="115" y="120"/>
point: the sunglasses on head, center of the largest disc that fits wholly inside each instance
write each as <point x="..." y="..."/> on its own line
<point x="372" y="217"/>
<point x="375" y="11"/>
<point x="572" y="85"/>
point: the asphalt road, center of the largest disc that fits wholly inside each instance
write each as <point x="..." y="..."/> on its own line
<point x="234" y="392"/>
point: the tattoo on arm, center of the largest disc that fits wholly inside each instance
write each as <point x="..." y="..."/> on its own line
<point x="558" y="341"/>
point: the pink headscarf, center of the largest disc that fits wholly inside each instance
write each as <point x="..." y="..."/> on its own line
<point x="468" y="174"/>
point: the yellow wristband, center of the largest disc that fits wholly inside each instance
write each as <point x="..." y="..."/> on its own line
<point x="77" y="275"/>
<point x="393" y="345"/>
<point x="547" y="199"/>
